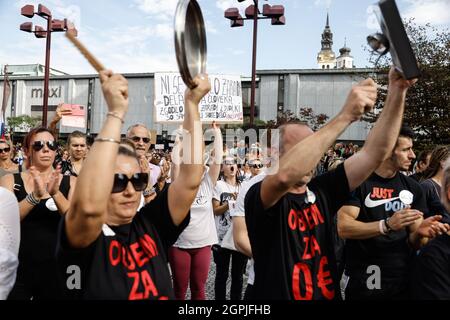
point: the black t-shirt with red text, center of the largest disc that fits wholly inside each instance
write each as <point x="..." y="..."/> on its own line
<point x="292" y="242"/>
<point x="379" y="198"/>
<point x="125" y="262"/>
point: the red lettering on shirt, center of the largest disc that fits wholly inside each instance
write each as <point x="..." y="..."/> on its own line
<point x="138" y="254"/>
<point x="311" y="247"/>
<point x="127" y="259"/>
<point x="299" y="270"/>
<point x="324" y="279"/>
<point x="147" y="283"/>
<point x="316" y="215"/>
<point x="149" y="286"/>
<point x="149" y="246"/>
<point x="381" y="193"/>
<point x="134" y="294"/>
<point x="114" y="252"/>
<point x="302" y="271"/>
<point x="309" y="217"/>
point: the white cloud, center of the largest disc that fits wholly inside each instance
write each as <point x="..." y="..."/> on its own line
<point x="225" y="4"/>
<point x="323" y="3"/>
<point x="162" y="9"/>
<point x="372" y="21"/>
<point x="436" y="12"/>
<point x="209" y="26"/>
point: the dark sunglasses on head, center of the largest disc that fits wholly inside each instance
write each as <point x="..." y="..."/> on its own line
<point x="138" y="180"/>
<point x="5" y="150"/>
<point x="257" y="165"/>
<point x="38" y="145"/>
<point x="137" y="139"/>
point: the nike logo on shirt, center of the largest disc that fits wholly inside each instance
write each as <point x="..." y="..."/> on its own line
<point x="375" y="203"/>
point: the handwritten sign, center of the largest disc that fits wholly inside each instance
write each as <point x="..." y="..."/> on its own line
<point x="222" y="104"/>
<point x="76" y="118"/>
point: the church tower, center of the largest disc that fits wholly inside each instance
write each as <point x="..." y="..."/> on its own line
<point x="345" y="60"/>
<point x="326" y="59"/>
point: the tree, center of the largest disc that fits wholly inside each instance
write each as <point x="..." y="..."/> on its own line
<point x="427" y="103"/>
<point x="23" y="123"/>
<point x="305" y="114"/>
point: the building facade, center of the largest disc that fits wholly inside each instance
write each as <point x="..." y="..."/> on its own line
<point x="325" y="91"/>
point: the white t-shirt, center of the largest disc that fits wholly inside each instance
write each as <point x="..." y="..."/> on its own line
<point x="239" y="211"/>
<point x="9" y="241"/>
<point x="201" y="231"/>
<point x="224" y="192"/>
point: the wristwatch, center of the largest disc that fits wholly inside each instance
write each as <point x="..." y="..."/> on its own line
<point x="389" y="229"/>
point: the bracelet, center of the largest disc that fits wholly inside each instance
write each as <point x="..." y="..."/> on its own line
<point x="115" y="115"/>
<point x="381" y="227"/>
<point x="107" y="140"/>
<point x="31" y="199"/>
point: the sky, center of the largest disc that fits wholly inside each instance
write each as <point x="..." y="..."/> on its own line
<point x="137" y="35"/>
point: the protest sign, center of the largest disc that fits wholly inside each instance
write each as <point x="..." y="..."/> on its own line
<point x="223" y="104"/>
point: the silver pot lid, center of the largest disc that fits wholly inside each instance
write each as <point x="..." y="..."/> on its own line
<point x="190" y="41"/>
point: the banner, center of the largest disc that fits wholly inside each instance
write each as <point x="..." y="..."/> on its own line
<point x="77" y="118"/>
<point x="222" y="104"/>
<point x="6" y="93"/>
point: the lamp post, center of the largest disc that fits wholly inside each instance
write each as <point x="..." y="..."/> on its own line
<point x="53" y="25"/>
<point x="252" y="12"/>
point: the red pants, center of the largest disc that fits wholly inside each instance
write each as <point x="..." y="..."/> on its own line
<point x="190" y="267"/>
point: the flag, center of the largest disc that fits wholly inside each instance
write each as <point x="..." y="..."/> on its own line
<point x="6" y="93"/>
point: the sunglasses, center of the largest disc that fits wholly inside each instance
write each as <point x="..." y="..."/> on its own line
<point x="6" y="150"/>
<point x="38" y="145"/>
<point x="257" y="165"/>
<point x="138" y="180"/>
<point x="137" y="139"/>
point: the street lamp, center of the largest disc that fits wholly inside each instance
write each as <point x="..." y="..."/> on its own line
<point x="53" y="25"/>
<point x="252" y="12"/>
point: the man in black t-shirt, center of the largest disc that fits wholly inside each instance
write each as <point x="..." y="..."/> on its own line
<point x="431" y="275"/>
<point x="288" y="214"/>
<point x="382" y="225"/>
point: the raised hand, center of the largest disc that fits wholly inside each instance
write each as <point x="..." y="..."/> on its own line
<point x="360" y="100"/>
<point x="54" y="181"/>
<point x="396" y="79"/>
<point x="202" y="88"/>
<point x="62" y="111"/>
<point x="39" y="186"/>
<point x="115" y="91"/>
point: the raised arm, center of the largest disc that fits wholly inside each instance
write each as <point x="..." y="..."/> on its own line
<point x="182" y="192"/>
<point x="381" y="139"/>
<point x="87" y="212"/>
<point x="214" y="168"/>
<point x="60" y="112"/>
<point x="303" y="158"/>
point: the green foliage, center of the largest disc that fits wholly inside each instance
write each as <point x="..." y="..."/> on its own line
<point x="22" y="123"/>
<point x="427" y="103"/>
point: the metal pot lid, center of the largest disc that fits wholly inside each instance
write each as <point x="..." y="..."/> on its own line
<point x="190" y="41"/>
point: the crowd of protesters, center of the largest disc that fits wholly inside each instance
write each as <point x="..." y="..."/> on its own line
<point x="140" y="223"/>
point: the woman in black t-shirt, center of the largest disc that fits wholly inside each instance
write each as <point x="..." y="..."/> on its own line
<point x="106" y="249"/>
<point x="43" y="196"/>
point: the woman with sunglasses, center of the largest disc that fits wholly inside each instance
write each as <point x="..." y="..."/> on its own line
<point x="119" y="253"/>
<point x="190" y="256"/>
<point x="6" y="164"/>
<point x="224" y="199"/>
<point x="43" y="195"/>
